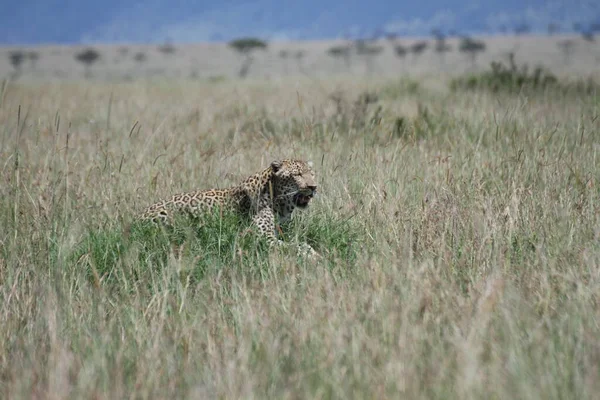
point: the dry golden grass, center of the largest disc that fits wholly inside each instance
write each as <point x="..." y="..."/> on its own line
<point x="472" y="269"/>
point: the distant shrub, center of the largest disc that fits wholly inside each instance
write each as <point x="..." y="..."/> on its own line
<point x="167" y="48"/>
<point x="341" y="52"/>
<point x="418" y="48"/>
<point x="401" y="51"/>
<point x="140" y="57"/>
<point x="508" y="78"/>
<point x="511" y="78"/>
<point x="16" y="59"/>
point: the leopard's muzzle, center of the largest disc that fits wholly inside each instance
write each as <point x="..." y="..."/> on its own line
<point x="303" y="197"/>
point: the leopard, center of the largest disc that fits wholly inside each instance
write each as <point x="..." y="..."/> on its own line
<point x="268" y="198"/>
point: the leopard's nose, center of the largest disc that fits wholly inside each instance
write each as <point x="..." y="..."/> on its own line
<point x="313" y="188"/>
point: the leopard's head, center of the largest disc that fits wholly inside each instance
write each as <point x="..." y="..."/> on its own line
<point x="294" y="179"/>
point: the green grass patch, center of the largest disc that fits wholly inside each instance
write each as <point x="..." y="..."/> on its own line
<point x="217" y="241"/>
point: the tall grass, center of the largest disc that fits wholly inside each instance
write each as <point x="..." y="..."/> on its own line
<point x="461" y="255"/>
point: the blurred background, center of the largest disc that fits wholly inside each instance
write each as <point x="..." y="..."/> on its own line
<point x="126" y="40"/>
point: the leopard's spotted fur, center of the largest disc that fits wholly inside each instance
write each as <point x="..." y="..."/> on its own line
<point x="268" y="197"/>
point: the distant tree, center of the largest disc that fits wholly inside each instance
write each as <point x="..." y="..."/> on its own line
<point x="369" y="52"/>
<point x="587" y="35"/>
<point x="418" y="48"/>
<point x="140" y="57"/>
<point x="33" y="57"/>
<point x="567" y="47"/>
<point x="167" y="48"/>
<point x="341" y="52"/>
<point x="87" y="57"/>
<point x="401" y="52"/>
<point x="245" y="47"/>
<point x="471" y="48"/>
<point x="586" y="32"/>
<point x="16" y="58"/>
<point x="441" y="47"/>
<point x="553" y="28"/>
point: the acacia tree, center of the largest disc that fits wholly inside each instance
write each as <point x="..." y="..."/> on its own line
<point x="87" y="57"/>
<point x="418" y="48"/>
<point x="341" y="52"/>
<point x="471" y="48"/>
<point x="245" y="47"/>
<point x="588" y="35"/>
<point x="368" y="51"/>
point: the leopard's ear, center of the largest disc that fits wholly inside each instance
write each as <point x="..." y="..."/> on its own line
<point x="276" y="165"/>
<point x="310" y="163"/>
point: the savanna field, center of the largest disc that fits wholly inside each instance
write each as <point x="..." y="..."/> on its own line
<point x="458" y="227"/>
